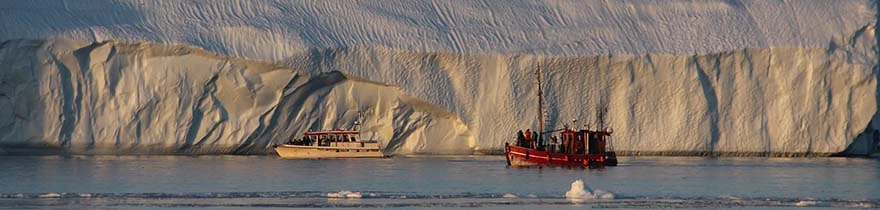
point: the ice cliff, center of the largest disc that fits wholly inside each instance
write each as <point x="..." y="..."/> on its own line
<point x="115" y="98"/>
<point x="781" y="100"/>
<point x="678" y="77"/>
<point x="112" y="97"/>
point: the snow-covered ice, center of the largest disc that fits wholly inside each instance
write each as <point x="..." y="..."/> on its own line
<point x="345" y="194"/>
<point x="115" y="98"/>
<point x="580" y="192"/>
<point x="451" y="77"/>
<point x="50" y="195"/>
<point x="277" y="30"/>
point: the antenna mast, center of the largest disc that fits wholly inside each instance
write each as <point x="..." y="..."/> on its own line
<point x="540" y="104"/>
<point x="358" y="121"/>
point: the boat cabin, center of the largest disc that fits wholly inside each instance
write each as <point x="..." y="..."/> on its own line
<point x="582" y="142"/>
<point x="329" y="138"/>
<point x="330" y="144"/>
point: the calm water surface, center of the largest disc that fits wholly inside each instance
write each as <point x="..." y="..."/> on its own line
<point x="481" y="182"/>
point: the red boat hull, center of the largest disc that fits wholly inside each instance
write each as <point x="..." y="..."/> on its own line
<point x="521" y="156"/>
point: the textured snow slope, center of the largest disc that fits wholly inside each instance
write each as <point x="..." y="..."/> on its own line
<point x="782" y="100"/>
<point x="678" y="76"/>
<point x="121" y="98"/>
<point x="274" y="30"/>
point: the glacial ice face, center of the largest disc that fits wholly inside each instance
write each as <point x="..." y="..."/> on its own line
<point x="115" y="98"/>
<point x="144" y="98"/>
<point x="780" y="100"/>
<point x="768" y="76"/>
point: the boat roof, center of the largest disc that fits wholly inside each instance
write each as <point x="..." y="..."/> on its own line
<point x="330" y="132"/>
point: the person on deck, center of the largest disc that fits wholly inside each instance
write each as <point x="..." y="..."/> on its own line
<point x="540" y="143"/>
<point x="554" y="144"/>
<point x="520" y="138"/>
<point x="528" y="135"/>
<point x="535" y="139"/>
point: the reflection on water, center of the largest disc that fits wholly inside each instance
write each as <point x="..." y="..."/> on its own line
<point x="463" y="181"/>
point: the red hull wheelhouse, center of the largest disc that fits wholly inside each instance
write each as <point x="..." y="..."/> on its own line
<point x="521" y="156"/>
<point x="577" y="149"/>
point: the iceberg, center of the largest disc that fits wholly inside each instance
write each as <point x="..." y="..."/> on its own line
<point x="786" y="78"/>
<point x="116" y="98"/>
<point x="579" y="192"/>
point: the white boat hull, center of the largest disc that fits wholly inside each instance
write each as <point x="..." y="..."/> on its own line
<point x="349" y="150"/>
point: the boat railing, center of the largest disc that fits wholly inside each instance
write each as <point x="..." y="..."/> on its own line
<point x="584" y="141"/>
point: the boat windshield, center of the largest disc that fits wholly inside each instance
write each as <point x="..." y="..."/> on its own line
<point x="326" y="138"/>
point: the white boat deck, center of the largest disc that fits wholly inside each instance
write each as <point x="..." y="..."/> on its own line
<point x="334" y="150"/>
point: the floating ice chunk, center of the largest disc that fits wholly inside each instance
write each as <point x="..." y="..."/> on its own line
<point x="860" y="205"/>
<point x="85" y="195"/>
<point x="730" y="197"/>
<point x="50" y="195"/>
<point x="344" y="194"/>
<point x="805" y="203"/>
<point x="602" y="194"/>
<point x="580" y="192"/>
<point x="508" y="195"/>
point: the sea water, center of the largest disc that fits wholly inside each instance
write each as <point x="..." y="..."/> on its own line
<point x="432" y="182"/>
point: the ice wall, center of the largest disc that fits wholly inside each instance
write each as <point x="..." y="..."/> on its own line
<point x="115" y="98"/>
<point x="679" y="77"/>
<point x="780" y="101"/>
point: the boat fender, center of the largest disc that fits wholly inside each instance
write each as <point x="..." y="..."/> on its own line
<point x="527" y="154"/>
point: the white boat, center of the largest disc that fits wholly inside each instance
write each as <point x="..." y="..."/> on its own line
<point x="329" y="144"/>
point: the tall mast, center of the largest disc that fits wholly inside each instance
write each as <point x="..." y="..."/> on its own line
<point x="540" y="104"/>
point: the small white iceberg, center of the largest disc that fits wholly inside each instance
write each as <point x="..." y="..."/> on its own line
<point x="50" y="195"/>
<point x="508" y="195"/>
<point x="806" y="203"/>
<point x="579" y="192"/>
<point x="345" y="194"/>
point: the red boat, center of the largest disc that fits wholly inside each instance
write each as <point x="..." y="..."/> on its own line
<point x="581" y="148"/>
<point x="572" y="148"/>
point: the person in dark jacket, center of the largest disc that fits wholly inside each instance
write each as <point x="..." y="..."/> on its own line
<point x="534" y="140"/>
<point x="520" y="138"/>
